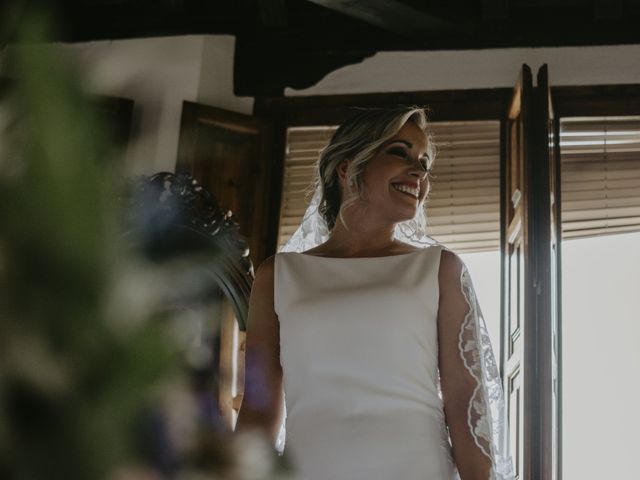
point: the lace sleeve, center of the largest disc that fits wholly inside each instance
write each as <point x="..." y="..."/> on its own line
<point x="485" y="415"/>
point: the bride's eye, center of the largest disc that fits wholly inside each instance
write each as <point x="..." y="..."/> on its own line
<point x="399" y="152"/>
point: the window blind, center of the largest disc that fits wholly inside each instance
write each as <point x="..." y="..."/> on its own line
<point x="463" y="207"/>
<point x="302" y="151"/>
<point x="600" y="159"/>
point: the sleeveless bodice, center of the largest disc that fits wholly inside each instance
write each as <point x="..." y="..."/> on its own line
<point x="359" y="352"/>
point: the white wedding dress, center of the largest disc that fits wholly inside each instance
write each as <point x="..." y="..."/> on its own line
<point x="359" y="352"/>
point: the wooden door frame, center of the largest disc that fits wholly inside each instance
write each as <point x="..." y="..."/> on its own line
<point x="596" y="100"/>
<point x="542" y="171"/>
<point x="446" y="105"/>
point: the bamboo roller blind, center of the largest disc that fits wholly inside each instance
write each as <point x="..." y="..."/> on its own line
<point x="600" y="175"/>
<point x="463" y="208"/>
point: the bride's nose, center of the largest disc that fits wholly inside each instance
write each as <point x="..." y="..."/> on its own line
<point x="418" y="171"/>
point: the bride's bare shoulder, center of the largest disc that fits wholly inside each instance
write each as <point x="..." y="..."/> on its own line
<point x="264" y="274"/>
<point x="262" y="287"/>
<point x="450" y="268"/>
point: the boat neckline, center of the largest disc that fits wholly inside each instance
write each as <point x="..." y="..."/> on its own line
<point x="406" y="254"/>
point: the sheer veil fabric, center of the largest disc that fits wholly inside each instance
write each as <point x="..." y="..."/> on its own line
<point x="486" y="413"/>
<point x="313" y="230"/>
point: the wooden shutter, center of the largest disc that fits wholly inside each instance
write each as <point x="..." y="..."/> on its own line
<point x="228" y="154"/>
<point x="530" y="286"/>
<point x="463" y="209"/>
<point x="600" y="175"/>
<point x="516" y="270"/>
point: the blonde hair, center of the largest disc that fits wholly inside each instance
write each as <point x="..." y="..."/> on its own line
<point x="358" y="139"/>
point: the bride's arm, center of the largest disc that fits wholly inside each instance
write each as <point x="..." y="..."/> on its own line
<point x="457" y="383"/>
<point x="262" y="401"/>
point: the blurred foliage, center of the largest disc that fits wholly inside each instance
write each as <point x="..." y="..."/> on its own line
<point x="70" y="381"/>
<point x="85" y="345"/>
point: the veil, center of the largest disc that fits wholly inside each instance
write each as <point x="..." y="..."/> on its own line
<point x="486" y="413"/>
<point x="313" y="230"/>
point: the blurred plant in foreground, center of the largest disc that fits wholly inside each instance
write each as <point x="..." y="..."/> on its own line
<point x="92" y="379"/>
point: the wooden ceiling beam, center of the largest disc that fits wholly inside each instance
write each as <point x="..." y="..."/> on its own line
<point x="397" y="17"/>
<point x="495" y="9"/>
<point x="608" y="9"/>
<point x="273" y="13"/>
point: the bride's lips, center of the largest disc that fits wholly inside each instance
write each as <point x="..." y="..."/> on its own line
<point x="415" y="194"/>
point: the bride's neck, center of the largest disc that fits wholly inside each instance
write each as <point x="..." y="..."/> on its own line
<point x="360" y="238"/>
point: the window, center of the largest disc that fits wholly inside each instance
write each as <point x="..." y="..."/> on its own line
<point x="600" y="175"/>
<point x="600" y="159"/>
<point x="596" y="130"/>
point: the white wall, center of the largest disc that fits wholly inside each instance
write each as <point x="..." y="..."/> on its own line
<point x="215" y="86"/>
<point x="490" y="68"/>
<point x="158" y="74"/>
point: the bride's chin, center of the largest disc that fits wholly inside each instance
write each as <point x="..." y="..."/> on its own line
<point x="404" y="216"/>
<point x="400" y="212"/>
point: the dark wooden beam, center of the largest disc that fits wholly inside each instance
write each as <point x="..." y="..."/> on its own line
<point x="495" y="9"/>
<point x="596" y="100"/>
<point x="265" y="65"/>
<point x="444" y="105"/>
<point x="397" y="17"/>
<point x="273" y="13"/>
<point x="608" y="9"/>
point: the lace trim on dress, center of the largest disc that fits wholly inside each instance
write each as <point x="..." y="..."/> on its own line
<point x="485" y="414"/>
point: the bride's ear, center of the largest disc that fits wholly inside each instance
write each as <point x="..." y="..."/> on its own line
<point x="341" y="170"/>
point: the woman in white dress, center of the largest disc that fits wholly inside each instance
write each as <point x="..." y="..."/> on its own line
<point x="372" y="338"/>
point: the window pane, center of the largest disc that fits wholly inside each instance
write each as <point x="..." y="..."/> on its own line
<point x="601" y="356"/>
<point x="600" y="159"/>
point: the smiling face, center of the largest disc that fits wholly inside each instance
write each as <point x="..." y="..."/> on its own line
<point x="395" y="181"/>
<point x="376" y="149"/>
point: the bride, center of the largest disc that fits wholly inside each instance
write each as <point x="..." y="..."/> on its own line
<point x="368" y="331"/>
